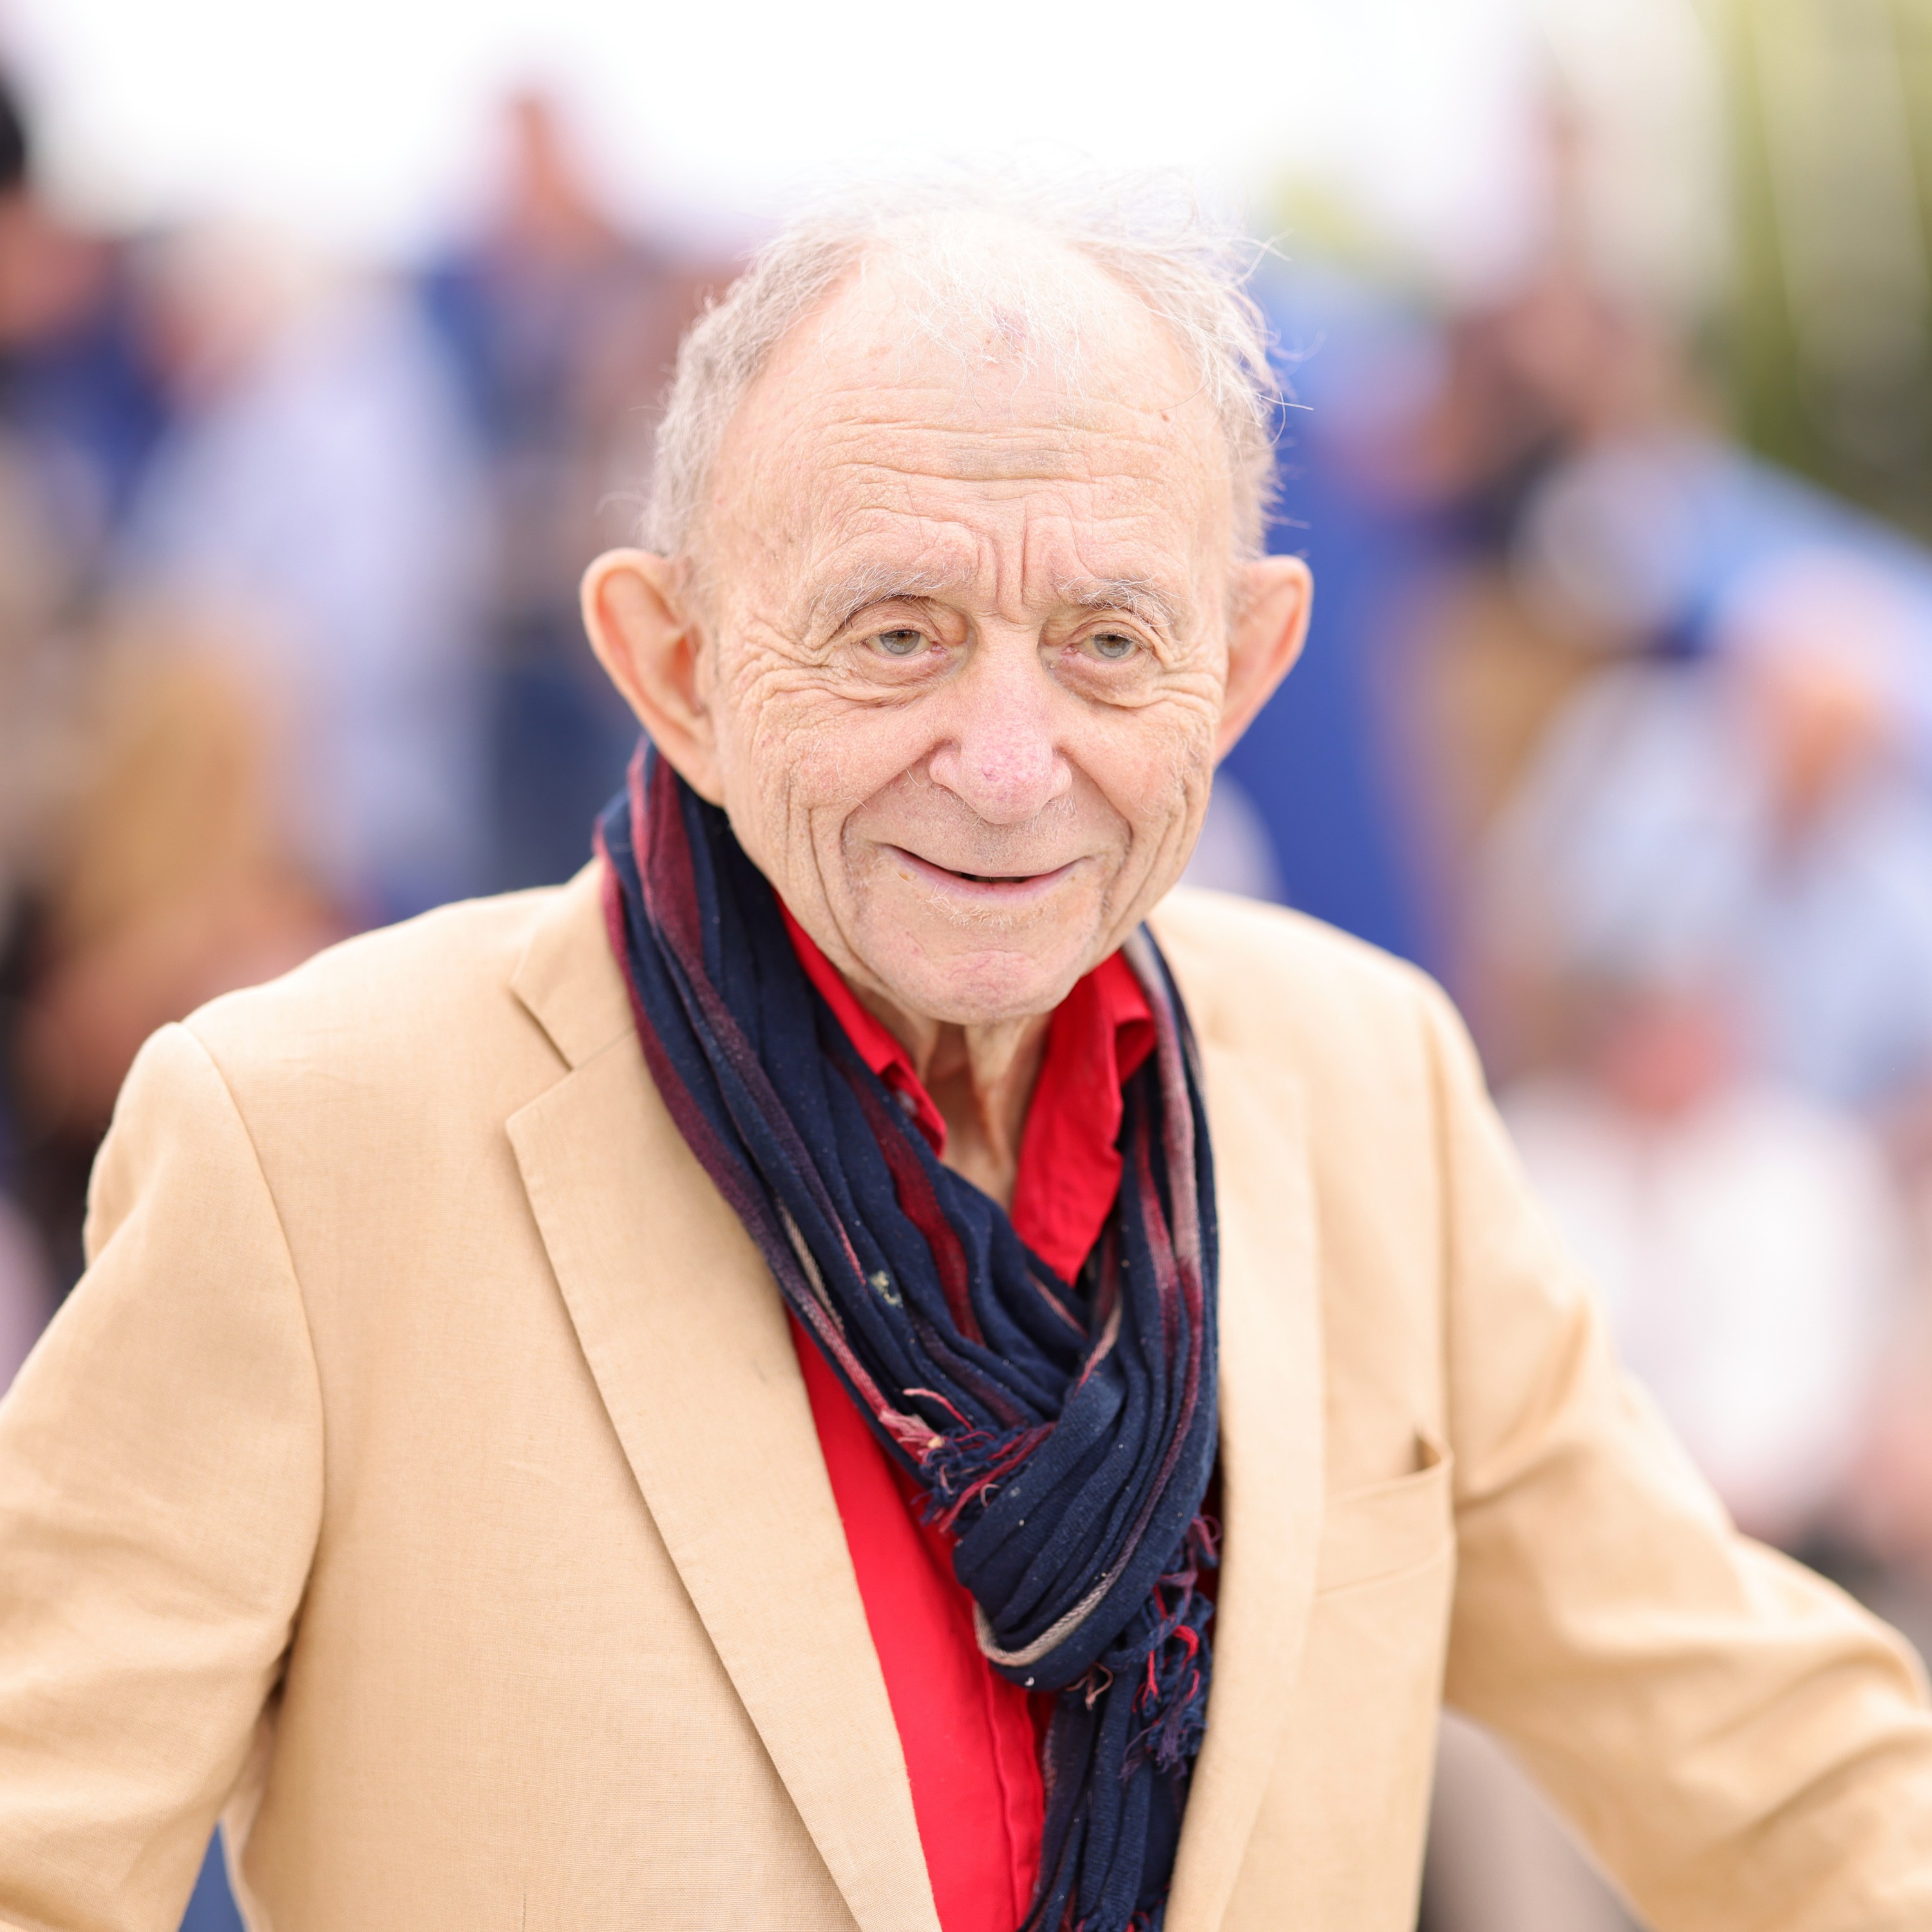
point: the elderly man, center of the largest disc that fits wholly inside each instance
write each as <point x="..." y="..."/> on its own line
<point x="860" y="1364"/>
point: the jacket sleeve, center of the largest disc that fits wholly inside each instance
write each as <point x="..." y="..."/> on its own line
<point x="161" y="1475"/>
<point x="1742" y="1746"/>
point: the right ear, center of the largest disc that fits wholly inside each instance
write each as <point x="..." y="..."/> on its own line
<point x="637" y="608"/>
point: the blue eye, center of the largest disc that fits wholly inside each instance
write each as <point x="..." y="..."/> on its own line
<point x="899" y="644"/>
<point x="1113" y="645"/>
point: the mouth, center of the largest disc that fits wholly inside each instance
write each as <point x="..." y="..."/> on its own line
<point x="995" y="888"/>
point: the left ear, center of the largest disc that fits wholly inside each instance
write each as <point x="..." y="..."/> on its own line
<point x="1270" y="624"/>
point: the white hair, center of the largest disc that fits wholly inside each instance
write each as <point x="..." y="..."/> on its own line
<point x="1190" y="273"/>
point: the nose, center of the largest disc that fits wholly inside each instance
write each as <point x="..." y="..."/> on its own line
<point x="1002" y="758"/>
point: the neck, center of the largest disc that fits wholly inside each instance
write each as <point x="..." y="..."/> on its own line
<point x="981" y="1079"/>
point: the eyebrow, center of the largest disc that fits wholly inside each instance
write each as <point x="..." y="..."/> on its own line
<point x="841" y="599"/>
<point x="837" y="602"/>
<point x="1139" y="596"/>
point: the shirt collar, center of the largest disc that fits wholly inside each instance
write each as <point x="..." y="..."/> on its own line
<point x="1069" y="1169"/>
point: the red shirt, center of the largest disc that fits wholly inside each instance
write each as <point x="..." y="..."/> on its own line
<point x="969" y="1737"/>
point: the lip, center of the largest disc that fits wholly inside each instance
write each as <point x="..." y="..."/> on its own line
<point x="984" y="890"/>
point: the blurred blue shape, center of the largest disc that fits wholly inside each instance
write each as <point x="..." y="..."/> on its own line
<point x="212" y="1907"/>
<point x="1316" y="762"/>
<point x="560" y="746"/>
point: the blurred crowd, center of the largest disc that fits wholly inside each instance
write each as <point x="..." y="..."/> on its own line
<point x="1628" y="735"/>
<point x="1622" y="731"/>
<point x="288" y="634"/>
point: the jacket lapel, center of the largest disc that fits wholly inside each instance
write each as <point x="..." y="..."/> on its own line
<point x="1271" y="1469"/>
<point x="686" y="1337"/>
<point x="684" y="1333"/>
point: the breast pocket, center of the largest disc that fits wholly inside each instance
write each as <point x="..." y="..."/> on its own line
<point x="1338" y="1847"/>
<point x="1383" y="1531"/>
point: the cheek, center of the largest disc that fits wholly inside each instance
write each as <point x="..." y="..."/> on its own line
<point x="1156" y="772"/>
<point x="823" y="757"/>
<point x="798" y="761"/>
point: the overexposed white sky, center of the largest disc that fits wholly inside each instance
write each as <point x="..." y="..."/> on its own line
<point x="366" y="122"/>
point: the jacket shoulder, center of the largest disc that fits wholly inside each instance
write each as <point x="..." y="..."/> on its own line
<point x="1256" y="976"/>
<point x="403" y="1004"/>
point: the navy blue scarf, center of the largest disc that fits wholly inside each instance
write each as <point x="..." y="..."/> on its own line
<point x="1063" y="1431"/>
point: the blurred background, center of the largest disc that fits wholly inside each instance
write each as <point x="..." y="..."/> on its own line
<point x="330" y="344"/>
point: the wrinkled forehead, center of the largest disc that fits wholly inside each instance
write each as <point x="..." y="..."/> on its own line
<point x="1042" y="424"/>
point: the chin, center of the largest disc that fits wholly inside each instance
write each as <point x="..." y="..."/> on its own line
<point x="987" y="985"/>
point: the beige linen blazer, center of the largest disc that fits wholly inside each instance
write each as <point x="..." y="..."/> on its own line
<point x="422" y="1479"/>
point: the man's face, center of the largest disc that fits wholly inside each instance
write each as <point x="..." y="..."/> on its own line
<point x="967" y="639"/>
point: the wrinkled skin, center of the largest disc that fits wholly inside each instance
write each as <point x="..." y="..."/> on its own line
<point x="955" y="654"/>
